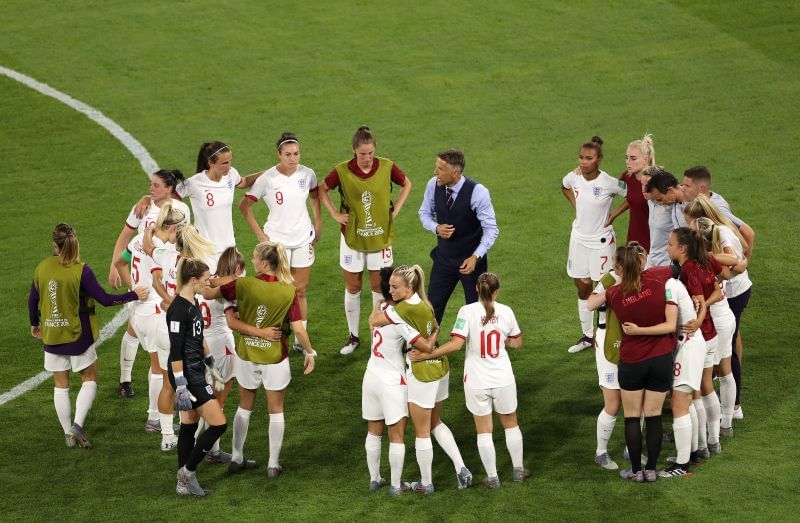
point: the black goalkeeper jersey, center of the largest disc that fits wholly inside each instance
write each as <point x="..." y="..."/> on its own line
<point x="185" y="326"/>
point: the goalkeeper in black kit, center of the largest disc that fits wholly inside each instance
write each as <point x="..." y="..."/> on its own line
<point x="191" y="368"/>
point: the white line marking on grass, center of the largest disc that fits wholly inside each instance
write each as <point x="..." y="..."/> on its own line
<point x="108" y="330"/>
<point x="149" y="165"/>
<point x="135" y="147"/>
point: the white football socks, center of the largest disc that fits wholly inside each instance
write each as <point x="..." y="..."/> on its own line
<point x="702" y="432"/>
<point x="695" y="426"/>
<point x="84" y="401"/>
<point x="166" y="424"/>
<point x="424" y="448"/>
<point x="444" y="437"/>
<point x="352" y="311"/>
<point x="277" y="427"/>
<point x="63" y="408"/>
<point x="711" y="402"/>
<point x="127" y="355"/>
<point x="241" y="422"/>
<point x="373" y="447"/>
<point x="587" y="318"/>
<point x="605" y="427"/>
<point x="397" y="455"/>
<point x="682" y="429"/>
<point x="154" y="384"/>
<point x="514" y="445"/>
<point x="487" y="453"/>
<point x="727" y="397"/>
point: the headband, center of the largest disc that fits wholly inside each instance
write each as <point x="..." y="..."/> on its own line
<point x="290" y="140"/>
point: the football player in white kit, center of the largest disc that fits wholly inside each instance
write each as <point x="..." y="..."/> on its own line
<point x="488" y="328"/>
<point x="162" y="183"/>
<point x="592" y="242"/>
<point x="285" y="189"/>
<point x="384" y="392"/>
<point x="149" y="323"/>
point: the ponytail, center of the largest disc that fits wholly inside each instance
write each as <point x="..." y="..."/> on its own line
<point x="710" y="233"/>
<point x="189" y="268"/>
<point x="414" y="277"/>
<point x="66" y="242"/>
<point x="631" y="264"/>
<point x="703" y="207"/>
<point x="646" y="146"/>
<point x="695" y="245"/>
<point x="170" y="177"/>
<point x="488" y="285"/>
<point x="596" y="144"/>
<point x="191" y="245"/>
<point x="363" y="135"/>
<point x="274" y="254"/>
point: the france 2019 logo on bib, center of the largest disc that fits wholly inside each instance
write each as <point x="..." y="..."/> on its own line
<point x="302" y="183"/>
<point x="348" y="259"/>
<point x="597" y="191"/>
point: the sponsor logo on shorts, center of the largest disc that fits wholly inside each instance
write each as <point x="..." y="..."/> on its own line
<point x="209" y="390"/>
<point x="609" y="377"/>
<point x="348" y="259"/>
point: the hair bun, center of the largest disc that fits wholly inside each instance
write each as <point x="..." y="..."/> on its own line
<point x="596" y="139"/>
<point x="364" y="128"/>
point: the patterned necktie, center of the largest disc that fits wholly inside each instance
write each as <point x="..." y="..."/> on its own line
<point x="449" y="193"/>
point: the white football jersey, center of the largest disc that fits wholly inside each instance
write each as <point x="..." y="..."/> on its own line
<point x="149" y="219"/>
<point x="676" y="293"/>
<point x="739" y="283"/>
<point x="387" y="359"/>
<point x="166" y="258"/>
<point x="288" y="221"/>
<point x="142" y="270"/>
<point x="593" y="201"/>
<point x="213" y="313"/>
<point x="212" y="203"/>
<point x="486" y="365"/>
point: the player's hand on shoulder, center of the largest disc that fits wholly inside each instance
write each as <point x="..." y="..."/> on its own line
<point x="114" y="278"/>
<point x="341" y="217"/>
<point x="142" y="206"/>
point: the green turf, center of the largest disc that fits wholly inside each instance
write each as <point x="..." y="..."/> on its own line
<point x="518" y="86"/>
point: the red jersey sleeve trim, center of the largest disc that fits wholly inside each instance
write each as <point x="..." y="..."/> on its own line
<point x="154" y="269"/>
<point x="251" y="197"/>
<point x="457" y="335"/>
<point x="515" y="336"/>
<point x="229" y="307"/>
<point x="129" y="226"/>
<point x="415" y="339"/>
<point x="388" y="318"/>
<point x="177" y="196"/>
<point x="314" y="189"/>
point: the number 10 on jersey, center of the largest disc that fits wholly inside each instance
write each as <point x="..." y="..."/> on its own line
<point x="490" y="344"/>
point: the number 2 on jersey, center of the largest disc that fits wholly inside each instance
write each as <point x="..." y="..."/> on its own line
<point x="376" y="334"/>
<point x="490" y="344"/>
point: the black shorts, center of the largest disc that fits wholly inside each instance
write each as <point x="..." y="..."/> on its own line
<point x="203" y="392"/>
<point x="654" y="374"/>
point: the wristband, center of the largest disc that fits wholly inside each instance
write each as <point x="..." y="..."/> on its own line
<point x="313" y="353"/>
<point x="177" y="374"/>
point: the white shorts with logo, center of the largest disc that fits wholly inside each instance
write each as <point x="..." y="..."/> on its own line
<point x="353" y="261"/>
<point x="223" y="348"/>
<point x="380" y="401"/>
<point x="481" y="402"/>
<point x="687" y="367"/>
<point x="427" y="394"/>
<point x="584" y="262"/>
<point x="606" y="371"/>
<point x="58" y="363"/>
<point x="151" y="329"/>
<point x="302" y="256"/>
<point x="711" y="352"/>
<point x="274" y="376"/>
<point x="725" y="325"/>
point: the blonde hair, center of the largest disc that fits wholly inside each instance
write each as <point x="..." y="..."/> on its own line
<point x="191" y="245"/>
<point x="274" y="255"/>
<point x="646" y="146"/>
<point x="229" y="261"/>
<point x="488" y="284"/>
<point x="710" y="232"/>
<point x="703" y="207"/>
<point x="169" y="216"/>
<point x="414" y="277"/>
<point x="66" y="241"/>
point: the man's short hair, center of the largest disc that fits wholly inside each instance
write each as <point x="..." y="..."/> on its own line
<point x="661" y="180"/>
<point x="453" y="157"/>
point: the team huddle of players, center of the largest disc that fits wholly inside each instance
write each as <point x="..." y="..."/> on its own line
<point x="664" y="321"/>
<point x="670" y="304"/>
